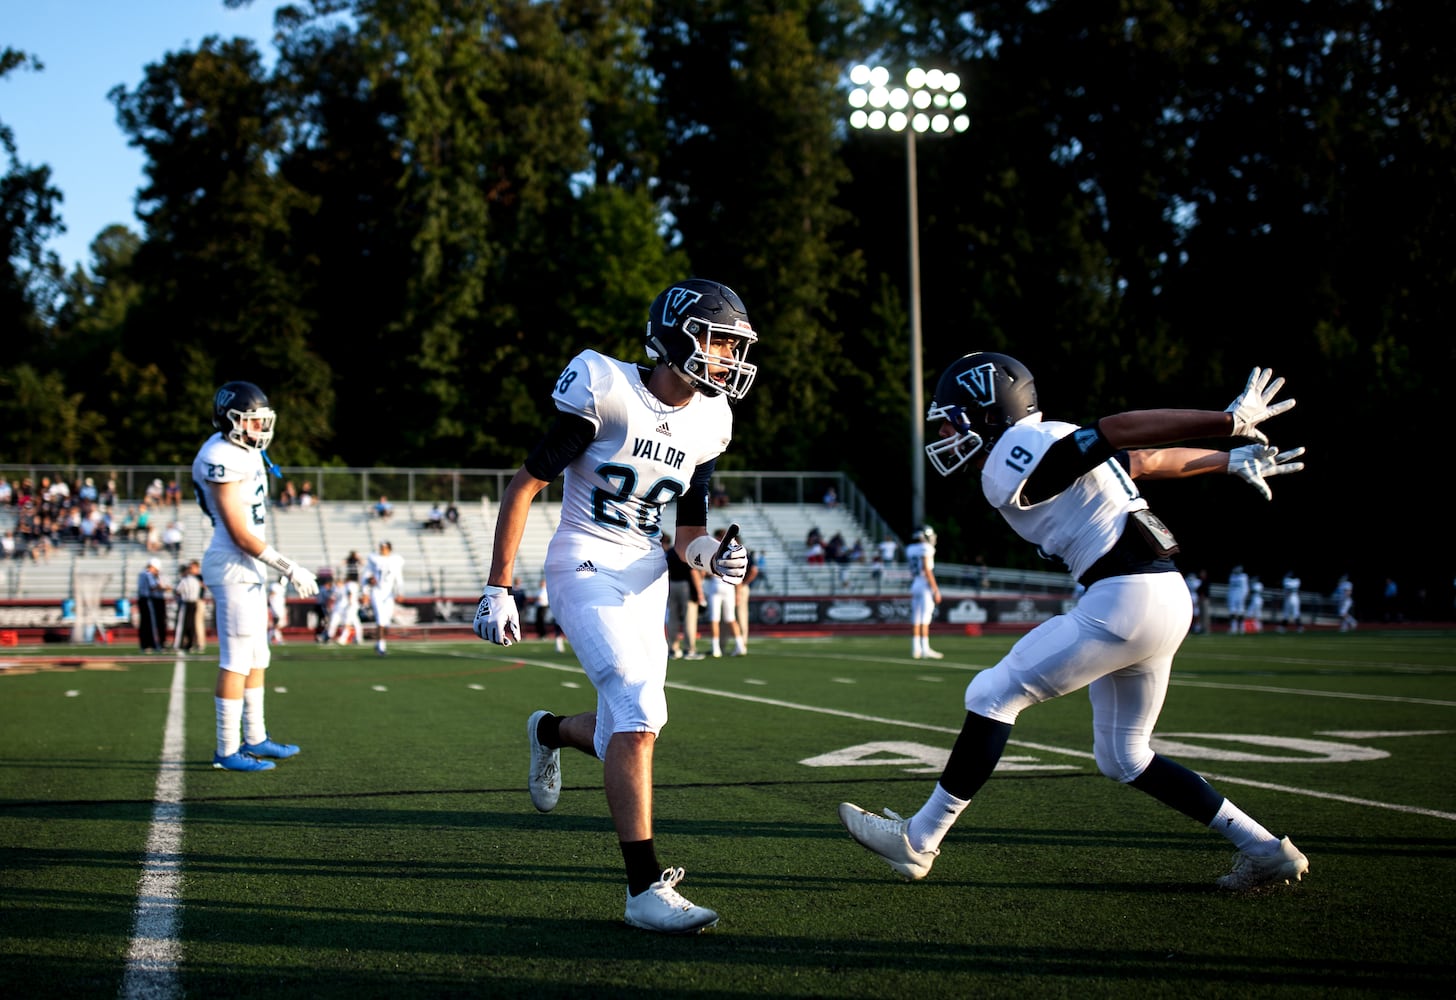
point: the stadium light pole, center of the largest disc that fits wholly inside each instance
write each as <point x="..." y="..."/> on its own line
<point x="929" y="102"/>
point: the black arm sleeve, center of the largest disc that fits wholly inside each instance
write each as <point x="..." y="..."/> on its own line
<point x="1067" y="460"/>
<point x="566" y="438"/>
<point x="692" y="506"/>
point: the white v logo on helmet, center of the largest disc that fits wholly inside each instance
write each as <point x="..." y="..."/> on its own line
<point x="980" y="383"/>
<point x="677" y="300"/>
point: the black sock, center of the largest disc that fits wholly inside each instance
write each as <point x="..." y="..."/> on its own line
<point x="974" y="756"/>
<point x="1174" y="785"/>
<point x="548" y="731"/>
<point x="642" y="866"/>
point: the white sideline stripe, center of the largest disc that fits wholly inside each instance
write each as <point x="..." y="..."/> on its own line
<point x="1046" y="748"/>
<point x="155" y="951"/>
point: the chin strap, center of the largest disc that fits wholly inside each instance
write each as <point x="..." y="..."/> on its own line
<point x="277" y="472"/>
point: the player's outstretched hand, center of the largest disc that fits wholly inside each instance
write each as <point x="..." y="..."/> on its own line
<point x="304" y="582"/>
<point x="1256" y="404"/>
<point x="1256" y="462"/>
<point x="496" y="619"/>
<point x="731" y="565"/>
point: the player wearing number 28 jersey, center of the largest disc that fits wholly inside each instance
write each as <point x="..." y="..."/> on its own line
<point x="630" y="439"/>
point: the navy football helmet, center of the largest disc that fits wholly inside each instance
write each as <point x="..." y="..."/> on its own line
<point x="235" y="403"/>
<point x="982" y="395"/>
<point x="686" y="327"/>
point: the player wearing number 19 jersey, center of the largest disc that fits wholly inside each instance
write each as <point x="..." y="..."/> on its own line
<point x="630" y="440"/>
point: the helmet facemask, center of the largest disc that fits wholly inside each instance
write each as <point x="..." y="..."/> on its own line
<point x="952" y="451"/>
<point x="683" y="332"/>
<point x="241" y="434"/>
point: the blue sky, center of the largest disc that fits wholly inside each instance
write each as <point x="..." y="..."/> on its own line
<point x="61" y="117"/>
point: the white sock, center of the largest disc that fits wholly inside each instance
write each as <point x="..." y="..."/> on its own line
<point x="1239" y="827"/>
<point x="229" y="725"/>
<point x="253" y="727"/>
<point x="929" y="826"/>
<point x="380" y="645"/>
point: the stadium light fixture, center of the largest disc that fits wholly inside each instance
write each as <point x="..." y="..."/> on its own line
<point x="929" y="102"/>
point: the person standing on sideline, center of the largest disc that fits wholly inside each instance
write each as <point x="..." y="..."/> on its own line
<point x="630" y="439"/>
<point x="1345" y="603"/>
<point x="385" y="578"/>
<point x="344" y="624"/>
<point x="189" y="637"/>
<point x="545" y="620"/>
<point x="722" y="606"/>
<point x="1254" y="610"/>
<point x="1194" y="583"/>
<point x="1072" y="491"/>
<point x="684" y="598"/>
<point x="1238" y="599"/>
<point x="924" y="592"/>
<point x="232" y="487"/>
<point x="278" y="609"/>
<point x="1289" y="611"/>
<point x="151" y="607"/>
<point x="740" y="597"/>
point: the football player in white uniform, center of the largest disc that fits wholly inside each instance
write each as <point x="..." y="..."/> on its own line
<point x="384" y="575"/>
<point x="924" y="592"/>
<point x="1072" y="491"/>
<point x="344" y="624"/>
<point x="1238" y="599"/>
<point x="278" y="607"/>
<point x="232" y="487"/>
<point x="1289" y="611"/>
<point x="630" y="439"/>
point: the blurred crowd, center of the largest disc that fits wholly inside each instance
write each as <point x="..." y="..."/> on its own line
<point x="53" y="513"/>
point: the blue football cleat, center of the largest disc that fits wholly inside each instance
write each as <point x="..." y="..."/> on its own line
<point x="270" y="749"/>
<point x="240" y="762"/>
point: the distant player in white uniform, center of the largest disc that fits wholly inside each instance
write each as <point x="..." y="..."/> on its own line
<point x="722" y="598"/>
<point x="344" y="624"/>
<point x="924" y="592"/>
<point x="1072" y="492"/>
<point x="1289" y="611"/>
<point x="1254" y="609"/>
<point x="384" y="575"/>
<point x="278" y="607"/>
<point x="1238" y="599"/>
<point x="630" y="440"/>
<point x="232" y="487"/>
<point x="1345" y="603"/>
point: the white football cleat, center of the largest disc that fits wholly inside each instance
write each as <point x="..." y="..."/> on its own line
<point x="885" y="835"/>
<point x="660" y="907"/>
<point x="934" y="654"/>
<point x="1253" y="870"/>
<point x="544" y="780"/>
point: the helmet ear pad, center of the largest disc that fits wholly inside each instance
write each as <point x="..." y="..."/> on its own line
<point x="982" y="395"/>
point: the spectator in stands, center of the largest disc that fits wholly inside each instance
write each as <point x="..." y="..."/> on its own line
<point x="7" y="492"/>
<point x="107" y="497"/>
<point x="452" y="514"/>
<point x="305" y="495"/>
<point x="143" y="524"/>
<point x="87" y="492"/>
<point x="172" y="538"/>
<point x="814" y="549"/>
<point x="151" y="607"/>
<point x="384" y="510"/>
<point x="288" y="496"/>
<point x="155" y="494"/>
<point x="436" y="519"/>
<point x="7" y="545"/>
<point x="831" y="498"/>
<point x="173" y="497"/>
<point x="718" y="496"/>
<point x="102" y="539"/>
<point x="190" y="635"/>
<point x="128" y="525"/>
<point x="87" y="529"/>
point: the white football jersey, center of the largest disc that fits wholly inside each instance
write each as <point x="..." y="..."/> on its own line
<point x="643" y="458"/>
<point x="921" y="558"/>
<point x="1080" y="524"/>
<point x="221" y="461"/>
<point x="387" y="571"/>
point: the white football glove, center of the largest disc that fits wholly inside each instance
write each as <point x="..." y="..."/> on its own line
<point x="496" y="619"/>
<point x="303" y="581"/>
<point x="1252" y="407"/>
<point x="1256" y="462"/>
<point x="728" y="563"/>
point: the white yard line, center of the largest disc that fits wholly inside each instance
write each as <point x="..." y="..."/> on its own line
<point x="155" y="951"/>
<point x="1046" y="748"/>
